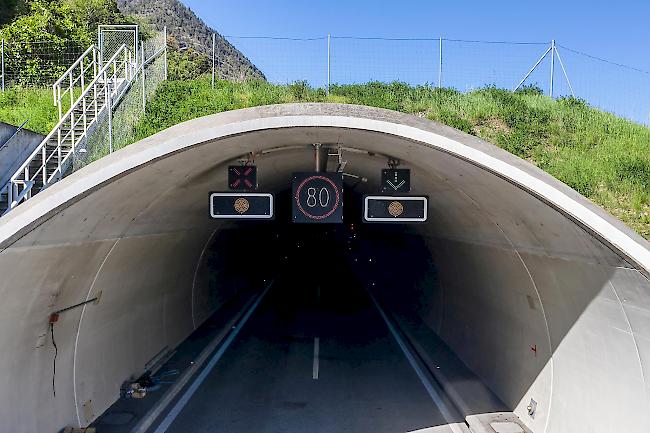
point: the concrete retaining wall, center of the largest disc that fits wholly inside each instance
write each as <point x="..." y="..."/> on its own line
<point x="15" y="152"/>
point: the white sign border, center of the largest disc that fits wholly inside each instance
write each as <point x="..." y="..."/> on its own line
<point x="425" y="199"/>
<point x="243" y="194"/>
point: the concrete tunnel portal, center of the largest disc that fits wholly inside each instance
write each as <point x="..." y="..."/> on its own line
<point x="517" y="289"/>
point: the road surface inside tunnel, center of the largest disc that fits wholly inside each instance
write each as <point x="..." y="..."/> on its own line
<point x="316" y="356"/>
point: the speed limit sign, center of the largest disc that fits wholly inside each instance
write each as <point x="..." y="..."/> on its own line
<point x="317" y="197"/>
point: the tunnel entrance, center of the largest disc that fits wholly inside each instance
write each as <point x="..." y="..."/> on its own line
<point x="329" y="347"/>
<point x="517" y="301"/>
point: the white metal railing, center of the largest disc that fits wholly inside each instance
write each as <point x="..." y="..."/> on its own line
<point x="49" y="160"/>
<point x="82" y="71"/>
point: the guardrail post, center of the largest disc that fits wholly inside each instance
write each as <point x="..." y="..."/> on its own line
<point x="213" y="51"/>
<point x="329" y="70"/>
<point x="44" y="164"/>
<point x="165" y="54"/>
<point x="440" y="65"/>
<point x="71" y="87"/>
<point x="84" y="98"/>
<point x="109" y="107"/>
<point x="3" y="64"/>
<point x="10" y="195"/>
<point x="552" y="66"/>
<point x="144" y="93"/>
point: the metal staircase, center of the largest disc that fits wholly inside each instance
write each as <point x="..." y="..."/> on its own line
<point x="84" y="92"/>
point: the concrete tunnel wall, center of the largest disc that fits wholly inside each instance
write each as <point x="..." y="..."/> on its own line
<point x="523" y="261"/>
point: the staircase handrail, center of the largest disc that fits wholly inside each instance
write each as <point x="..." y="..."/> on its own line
<point x="69" y="74"/>
<point x="40" y="148"/>
<point x="20" y="128"/>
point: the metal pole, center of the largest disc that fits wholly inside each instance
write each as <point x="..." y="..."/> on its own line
<point x="440" y="66"/>
<point x="109" y="103"/>
<point x="213" y="65"/>
<point x="565" y="74"/>
<point x="165" y="55"/>
<point x="3" y="65"/>
<point x="532" y="69"/>
<point x="321" y="155"/>
<point x="552" y="66"/>
<point x="329" y="70"/>
<point x="144" y="93"/>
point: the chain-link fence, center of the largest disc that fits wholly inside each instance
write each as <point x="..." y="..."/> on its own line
<point x="115" y="127"/>
<point x="323" y="61"/>
<point x="112" y="37"/>
<point x="35" y="63"/>
<point x="461" y="64"/>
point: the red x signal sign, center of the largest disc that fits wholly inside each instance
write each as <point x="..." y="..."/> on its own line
<point x="242" y="178"/>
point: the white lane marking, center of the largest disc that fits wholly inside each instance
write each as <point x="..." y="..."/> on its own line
<point x="182" y="402"/>
<point x="316" y="354"/>
<point x="433" y="393"/>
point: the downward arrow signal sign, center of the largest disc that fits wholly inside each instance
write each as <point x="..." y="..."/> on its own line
<point x="395" y="187"/>
<point x="396" y="180"/>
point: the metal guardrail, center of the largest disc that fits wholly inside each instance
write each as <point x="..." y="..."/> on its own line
<point x="37" y="171"/>
<point x="76" y="76"/>
<point x="103" y="88"/>
<point x="20" y="128"/>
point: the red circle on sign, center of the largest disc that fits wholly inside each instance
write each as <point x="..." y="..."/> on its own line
<point x="328" y="213"/>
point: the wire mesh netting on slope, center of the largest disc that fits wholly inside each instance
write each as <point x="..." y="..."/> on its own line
<point x="36" y="63"/>
<point x="461" y="64"/>
<point x="115" y="128"/>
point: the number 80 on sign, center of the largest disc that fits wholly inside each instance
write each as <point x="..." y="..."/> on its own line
<point x="317" y="197"/>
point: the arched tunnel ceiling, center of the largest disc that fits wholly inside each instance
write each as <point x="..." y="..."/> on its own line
<point x="542" y="263"/>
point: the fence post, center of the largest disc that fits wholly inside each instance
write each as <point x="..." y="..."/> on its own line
<point x="3" y="64"/>
<point x="329" y="70"/>
<point x="165" y="54"/>
<point x="552" y="65"/>
<point x="144" y="93"/>
<point x="440" y="65"/>
<point x="109" y="107"/>
<point x="213" y="65"/>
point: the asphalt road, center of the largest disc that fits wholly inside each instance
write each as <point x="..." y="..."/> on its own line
<point x="272" y="379"/>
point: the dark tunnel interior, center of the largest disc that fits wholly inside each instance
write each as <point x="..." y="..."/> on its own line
<point x="318" y="355"/>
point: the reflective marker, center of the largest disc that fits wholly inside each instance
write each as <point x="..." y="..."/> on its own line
<point x="316" y="355"/>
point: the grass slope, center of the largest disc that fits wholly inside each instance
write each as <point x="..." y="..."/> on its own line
<point x="33" y="104"/>
<point x="605" y="158"/>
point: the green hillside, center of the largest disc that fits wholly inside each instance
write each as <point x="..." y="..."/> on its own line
<point x="32" y="104"/>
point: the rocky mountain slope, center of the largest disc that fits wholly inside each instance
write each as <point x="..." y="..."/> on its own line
<point x="188" y="30"/>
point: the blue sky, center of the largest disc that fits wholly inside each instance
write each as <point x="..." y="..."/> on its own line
<point x="618" y="31"/>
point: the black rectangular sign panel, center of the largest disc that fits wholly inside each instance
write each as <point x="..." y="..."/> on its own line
<point x="317" y="197"/>
<point x="395" y="209"/>
<point x="242" y="177"/>
<point x="395" y="180"/>
<point x="241" y="205"/>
